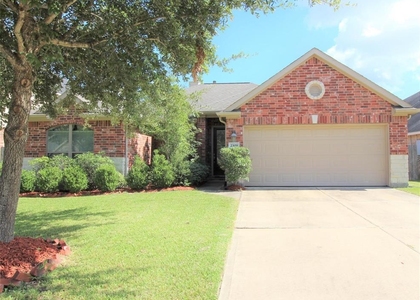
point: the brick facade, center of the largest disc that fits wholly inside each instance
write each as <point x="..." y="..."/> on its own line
<point x="204" y="137"/>
<point x="344" y="102"/>
<point x="108" y="138"/>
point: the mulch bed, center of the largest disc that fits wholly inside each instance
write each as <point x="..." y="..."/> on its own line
<point x="25" y="259"/>
<point x="98" y="192"/>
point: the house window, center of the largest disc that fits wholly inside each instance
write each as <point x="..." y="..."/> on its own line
<point x="69" y="140"/>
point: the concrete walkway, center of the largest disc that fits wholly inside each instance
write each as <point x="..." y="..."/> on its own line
<point x="324" y="244"/>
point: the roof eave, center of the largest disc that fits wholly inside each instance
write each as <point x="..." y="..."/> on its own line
<point x="229" y="114"/>
<point x="414" y="133"/>
<point x="405" y="111"/>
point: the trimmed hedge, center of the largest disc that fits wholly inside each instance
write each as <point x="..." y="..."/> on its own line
<point x="138" y="175"/>
<point x="236" y="162"/>
<point x="27" y="181"/>
<point x="107" y="178"/>
<point x="162" y="174"/>
<point x="48" y="180"/>
<point x="74" y="179"/>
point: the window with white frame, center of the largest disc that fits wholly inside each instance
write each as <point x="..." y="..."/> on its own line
<point x="69" y="139"/>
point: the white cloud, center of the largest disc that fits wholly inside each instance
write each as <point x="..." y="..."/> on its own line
<point x="342" y="27"/>
<point x="370" y="31"/>
<point x="378" y="38"/>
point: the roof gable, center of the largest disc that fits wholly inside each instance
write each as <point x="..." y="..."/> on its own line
<point x="346" y="71"/>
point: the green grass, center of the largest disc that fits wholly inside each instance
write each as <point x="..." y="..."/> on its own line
<point x="413" y="188"/>
<point x="166" y="245"/>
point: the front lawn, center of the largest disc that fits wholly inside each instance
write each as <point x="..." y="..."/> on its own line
<point x="164" y="245"/>
<point x="413" y="188"/>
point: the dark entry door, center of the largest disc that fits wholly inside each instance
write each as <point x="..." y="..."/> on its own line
<point x="218" y="143"/>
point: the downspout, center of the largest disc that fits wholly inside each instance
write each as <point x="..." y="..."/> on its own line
<point x="221" y="121"/>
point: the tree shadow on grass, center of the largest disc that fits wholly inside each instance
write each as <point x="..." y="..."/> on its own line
<point x="111" y="283"/>
<point x="53" y="224"/>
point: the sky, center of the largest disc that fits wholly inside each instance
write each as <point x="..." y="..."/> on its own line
<point x="380" y="39"/>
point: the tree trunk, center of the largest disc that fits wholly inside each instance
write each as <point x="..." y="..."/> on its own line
<point x="15" y="136"/>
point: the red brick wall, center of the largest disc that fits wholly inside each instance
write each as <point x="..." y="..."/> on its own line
<point x="344" y="102"/>
<point x="108" y="138"/>
<point x="140" y="145"/>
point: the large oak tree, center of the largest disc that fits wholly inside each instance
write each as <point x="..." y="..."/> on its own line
<point x="111" y="52"/>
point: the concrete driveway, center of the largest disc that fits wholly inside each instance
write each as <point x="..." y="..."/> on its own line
<point x="324" y="243"/>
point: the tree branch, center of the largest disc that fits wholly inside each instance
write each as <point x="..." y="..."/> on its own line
<point x="18" y="30"/>
<point x="51" y="17"/>
<point x="68" y="44"/>
<point x="8" y="55"/>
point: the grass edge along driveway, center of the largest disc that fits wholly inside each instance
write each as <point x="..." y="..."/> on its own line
<point x="165" y="245"/>
<point x="413" y="188"/>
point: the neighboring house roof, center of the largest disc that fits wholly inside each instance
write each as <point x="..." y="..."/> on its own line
<point x="215" y="97"/>
<point x="401" y="107"/>
<point x="414" y="121"/>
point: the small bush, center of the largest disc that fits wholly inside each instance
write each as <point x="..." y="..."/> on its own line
<point x="90" y="162"/>
<point x="61" y="161"/>
<point x="48" y="179"/>
<point x="236" y="162"/>
<point x="107" y="178"/>
<point x="39" y="163"/>
<point x="27" y="181"/>
<point x="138" y="175"/>
<point x="182" y="172"/>
<point x="161" y="175"/>
<point x="199" y="173"/>
<point x="74" y="179"/>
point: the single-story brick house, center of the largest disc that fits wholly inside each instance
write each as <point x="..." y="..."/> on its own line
<point x="414" y="139"/>
<point x="69" y="135"/>
<point x="315" y="123"/>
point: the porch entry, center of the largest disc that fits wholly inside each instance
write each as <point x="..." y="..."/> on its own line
<point x="218" y="142"/>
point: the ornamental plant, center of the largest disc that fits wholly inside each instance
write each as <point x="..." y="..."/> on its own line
<point x="107" y="178"/>
<point x="138" y="175"/>
<point x="236" y="162"/>
<point x="162" y="175"/>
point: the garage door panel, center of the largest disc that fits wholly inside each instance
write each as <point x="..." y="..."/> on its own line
<point x="318" y="155"/>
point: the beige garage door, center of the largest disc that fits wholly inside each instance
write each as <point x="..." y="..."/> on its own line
<point x="318" y="155"/>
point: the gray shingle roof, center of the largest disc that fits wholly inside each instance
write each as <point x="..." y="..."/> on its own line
<point x="215" y="97"/>
<point x="414" y="122"/>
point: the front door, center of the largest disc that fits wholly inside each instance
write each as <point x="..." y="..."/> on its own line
<point x="218" y="143"/>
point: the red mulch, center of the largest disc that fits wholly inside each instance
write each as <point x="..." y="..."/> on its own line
<point x="235" y="187"/>
<point x="25" y="258"/>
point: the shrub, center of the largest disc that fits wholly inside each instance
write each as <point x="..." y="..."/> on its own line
<point x="90" y="162"/>
<point x="122" y="183"/>
<point x="161" y="174"/>
<point x="236" y="163"/>
<point x="39" y="163"/>
<point x="48" y="179"/>
<point x="199" y="173"/>
<point x="138" y="175"/>
<point x="27" y="181"/>
<point x="107" y="178"/>
<point x="182" y="172"/>
<point x="74" y="179"/>
<point x="60" y="161"/>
